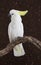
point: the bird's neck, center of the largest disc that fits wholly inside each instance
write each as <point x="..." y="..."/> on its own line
<point x="16" y="19"/>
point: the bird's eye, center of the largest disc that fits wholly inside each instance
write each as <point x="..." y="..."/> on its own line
<point x="12" y="14"/>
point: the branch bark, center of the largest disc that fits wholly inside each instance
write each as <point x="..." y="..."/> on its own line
<point x="24" y="39"/>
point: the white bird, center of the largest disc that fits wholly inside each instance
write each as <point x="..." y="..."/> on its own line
<point x="16" y="29"/>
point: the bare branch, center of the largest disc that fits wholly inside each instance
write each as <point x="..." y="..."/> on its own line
<point x="24" y="39"/>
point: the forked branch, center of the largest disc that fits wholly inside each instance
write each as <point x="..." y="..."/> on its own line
<point x="24" y="39"/>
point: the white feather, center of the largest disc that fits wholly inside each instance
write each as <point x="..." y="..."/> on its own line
<point x="15" y="29"/>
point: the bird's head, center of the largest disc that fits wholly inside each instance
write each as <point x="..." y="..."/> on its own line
<point x="16" y="14"/>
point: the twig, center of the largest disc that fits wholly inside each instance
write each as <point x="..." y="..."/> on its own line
<point x="24" y="39"/>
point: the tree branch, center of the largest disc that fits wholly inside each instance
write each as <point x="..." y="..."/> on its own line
<point x="24" y="39"/>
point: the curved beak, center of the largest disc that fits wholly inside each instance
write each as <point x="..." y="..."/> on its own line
<point x="9" y="15"/>
<point x="22" y="13"/>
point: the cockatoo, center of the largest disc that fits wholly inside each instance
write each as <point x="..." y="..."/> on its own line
<point x="16" y="29"/>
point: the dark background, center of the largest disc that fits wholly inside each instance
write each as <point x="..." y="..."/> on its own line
<point x="32" y="27"/>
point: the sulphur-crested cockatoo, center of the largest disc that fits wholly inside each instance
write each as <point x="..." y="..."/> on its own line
<point x="15" y="29"/>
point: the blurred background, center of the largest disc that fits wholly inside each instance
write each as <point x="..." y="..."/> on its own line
<point x="32" y="27"/>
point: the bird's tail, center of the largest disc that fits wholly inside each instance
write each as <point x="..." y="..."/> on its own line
<point x="18" y="50"/>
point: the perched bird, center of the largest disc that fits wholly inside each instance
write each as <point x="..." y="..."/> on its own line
<point x="16" y="29"/>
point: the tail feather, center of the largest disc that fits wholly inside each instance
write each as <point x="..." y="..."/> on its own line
<point x="18" y="50"/>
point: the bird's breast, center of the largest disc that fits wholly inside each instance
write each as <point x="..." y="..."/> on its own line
<point x="16" y="30"/>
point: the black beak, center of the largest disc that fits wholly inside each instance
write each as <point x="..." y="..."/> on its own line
<point x="9" y="16"/>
